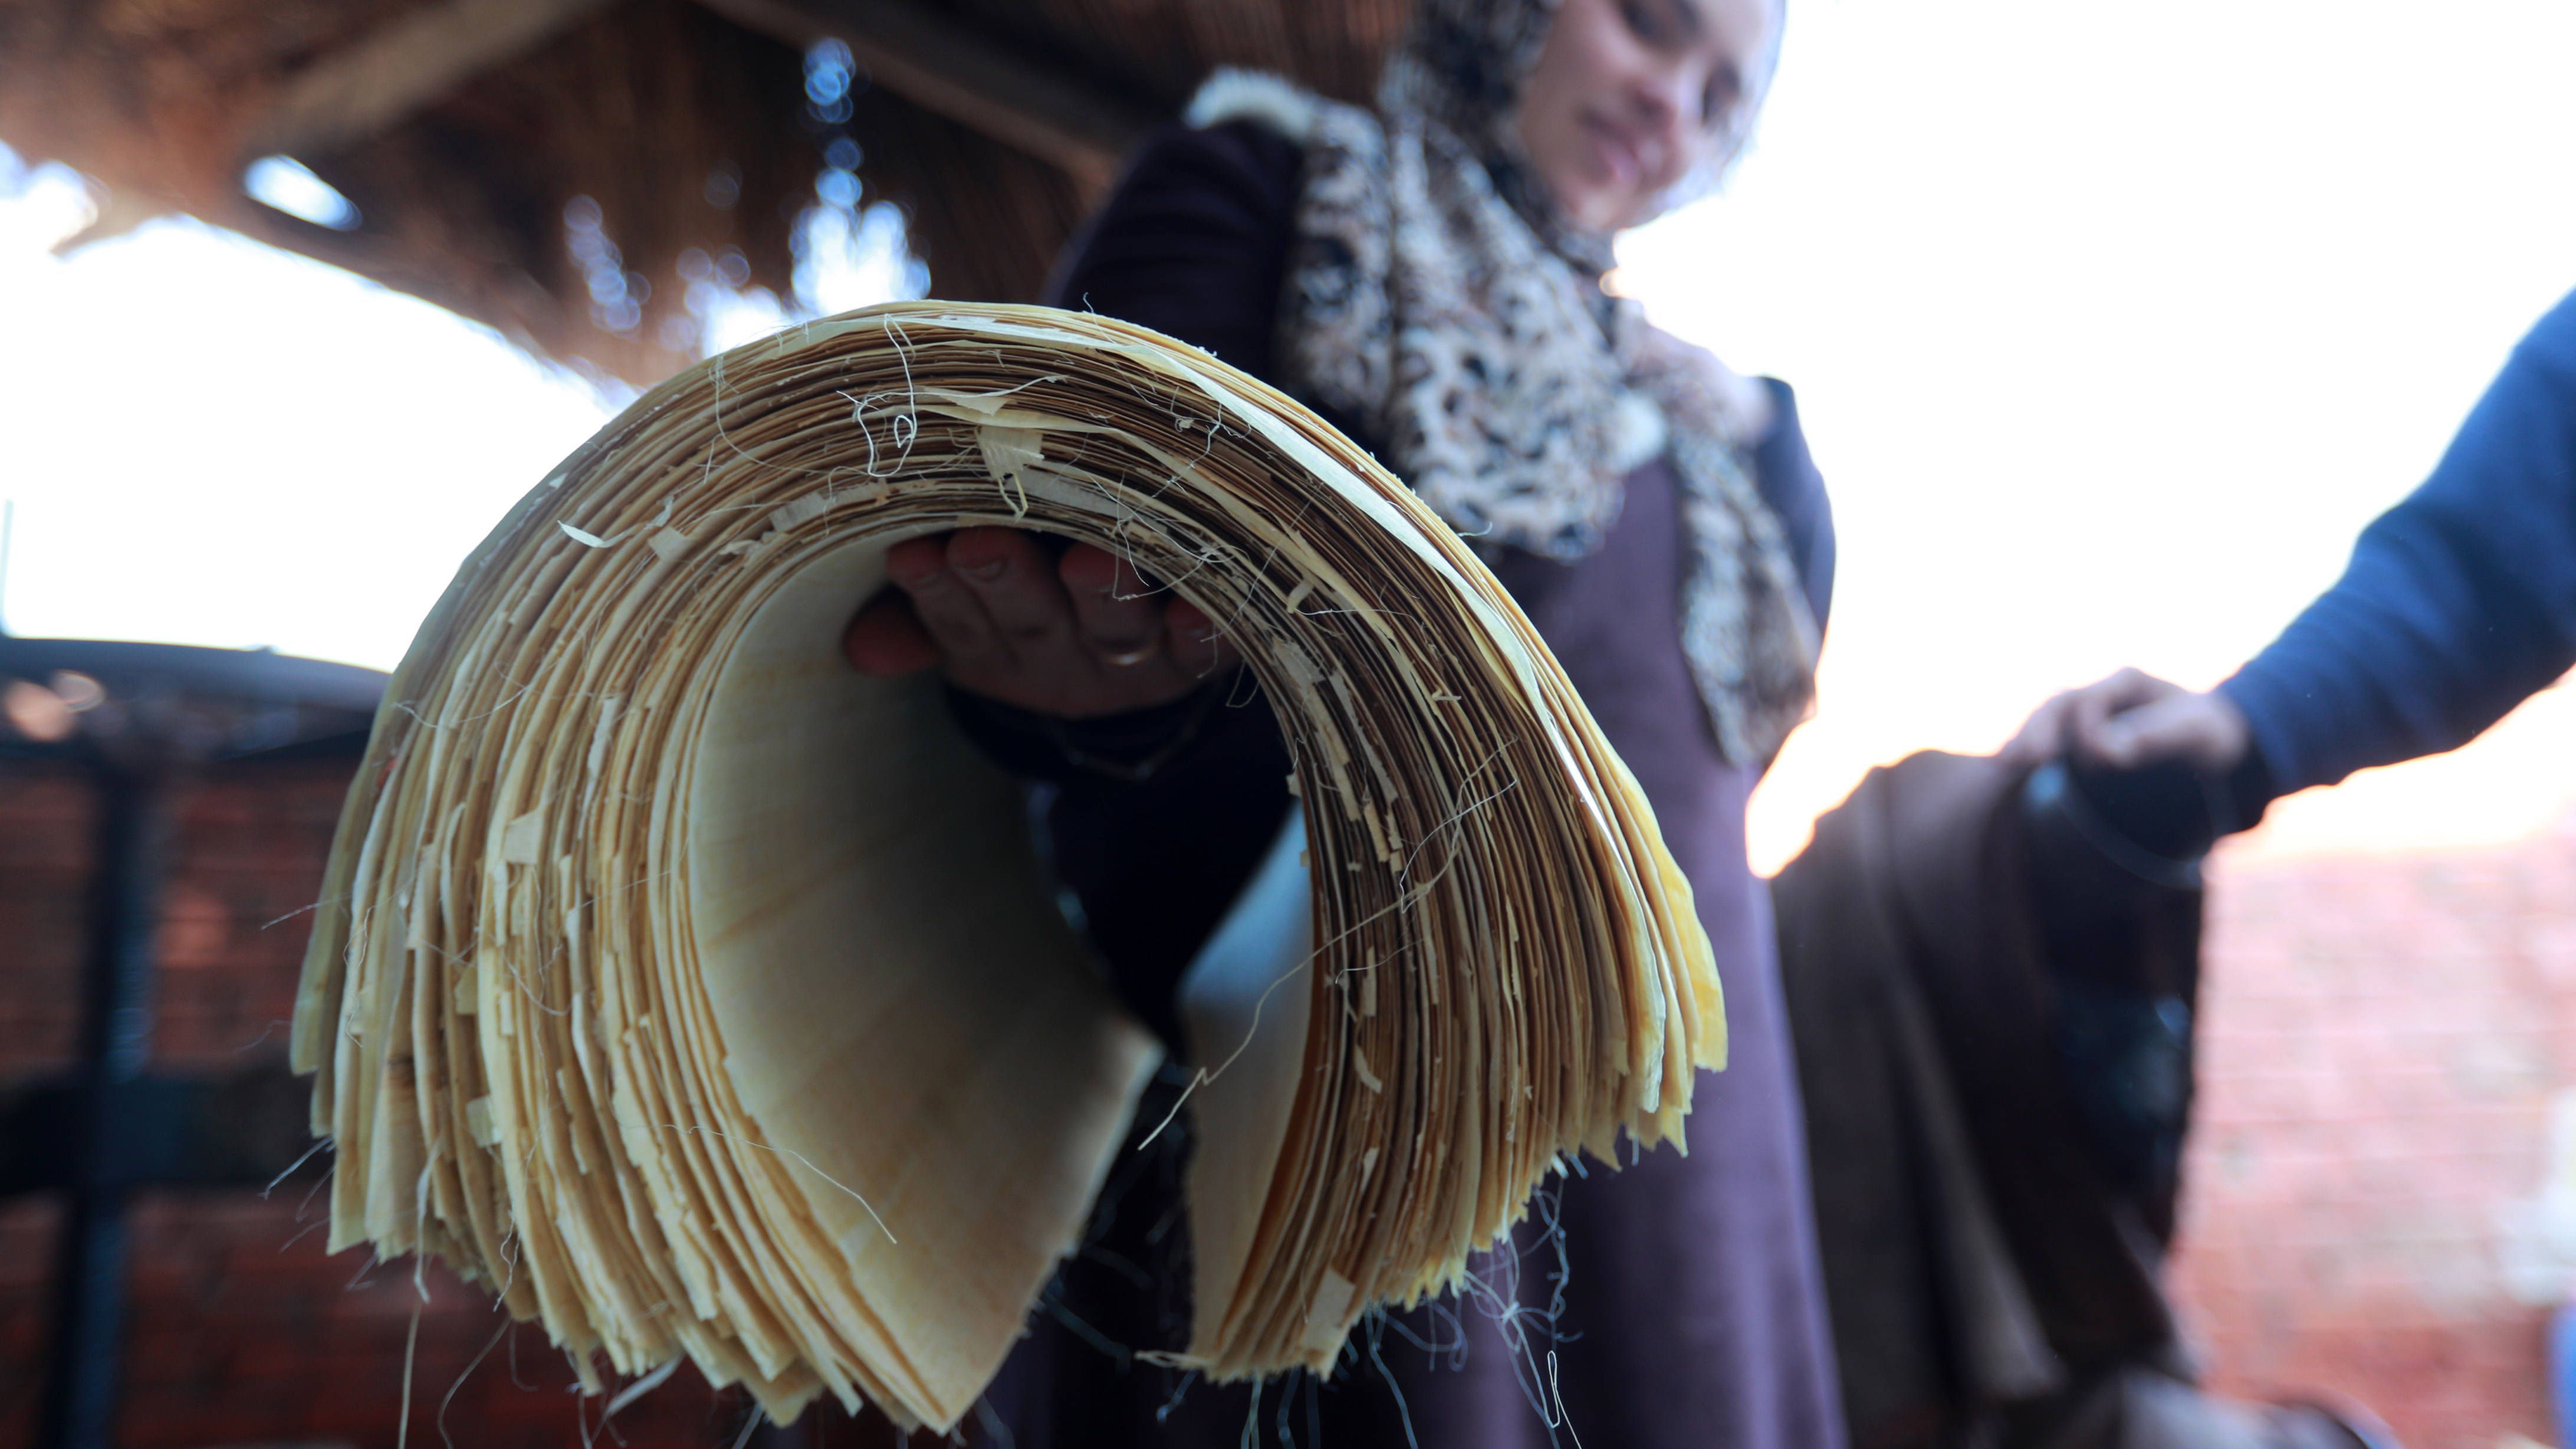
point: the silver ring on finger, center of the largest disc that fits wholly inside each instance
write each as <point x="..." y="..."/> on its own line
<point x="1128" y="658"/>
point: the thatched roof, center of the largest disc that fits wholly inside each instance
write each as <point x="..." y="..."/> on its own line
<point x="462" y="130"/>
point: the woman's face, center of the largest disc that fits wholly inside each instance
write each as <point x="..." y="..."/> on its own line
<point x="1628" y="96"/>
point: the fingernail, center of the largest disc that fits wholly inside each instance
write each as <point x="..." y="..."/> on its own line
<point x="989" y="571"/>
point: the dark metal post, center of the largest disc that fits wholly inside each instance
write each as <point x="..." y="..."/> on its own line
<point x="116" y="1044"/>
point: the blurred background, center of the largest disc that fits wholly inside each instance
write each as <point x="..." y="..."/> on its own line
<point x="2111" y="325"/>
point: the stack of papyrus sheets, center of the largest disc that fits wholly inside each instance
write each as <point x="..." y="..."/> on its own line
<point x="700" y="996"/>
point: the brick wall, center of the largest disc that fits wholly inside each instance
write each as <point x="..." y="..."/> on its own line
<point x="2381" y="1040"/>
<point x="246" y="865"/>
<point x="241" y="1329"/>
<point x="2381" y="1037"/>
<point x="46" y="821"/>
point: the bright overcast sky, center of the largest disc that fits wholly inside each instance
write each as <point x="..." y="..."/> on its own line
<point x="2111" y="325"/>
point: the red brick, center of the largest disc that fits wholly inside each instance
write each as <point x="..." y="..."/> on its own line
<point x="2380" y="1040"/>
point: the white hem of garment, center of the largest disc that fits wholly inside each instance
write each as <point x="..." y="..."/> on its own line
<point x="1232" y="94"/>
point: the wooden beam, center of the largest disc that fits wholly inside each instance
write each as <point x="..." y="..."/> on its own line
<point x="399" y="68"/>
<point x="935" y="63"/>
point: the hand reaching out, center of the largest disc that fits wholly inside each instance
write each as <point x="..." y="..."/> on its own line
<point x="1077" y="637"/>
<point x="2132" y="719"/>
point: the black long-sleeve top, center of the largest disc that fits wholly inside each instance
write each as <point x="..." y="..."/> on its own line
<point x="1694" y="1307"/>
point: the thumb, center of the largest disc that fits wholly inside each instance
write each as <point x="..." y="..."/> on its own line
<point x="2179" y="726"/>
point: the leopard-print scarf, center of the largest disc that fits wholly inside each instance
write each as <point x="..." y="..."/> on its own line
<point x="1436" y="295"/>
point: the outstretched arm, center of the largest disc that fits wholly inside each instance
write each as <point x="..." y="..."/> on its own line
<point x="2459" y="603"/>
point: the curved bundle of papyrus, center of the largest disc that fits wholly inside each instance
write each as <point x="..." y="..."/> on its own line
<point x="703" y="997"/>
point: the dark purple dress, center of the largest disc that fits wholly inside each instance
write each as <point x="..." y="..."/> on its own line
<point x="1681" y="1305"/>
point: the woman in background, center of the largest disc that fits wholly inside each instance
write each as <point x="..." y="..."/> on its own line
<point x="1427" y="275"/>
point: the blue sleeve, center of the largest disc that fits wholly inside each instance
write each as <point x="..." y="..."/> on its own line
<point x="2459" y="603"/>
